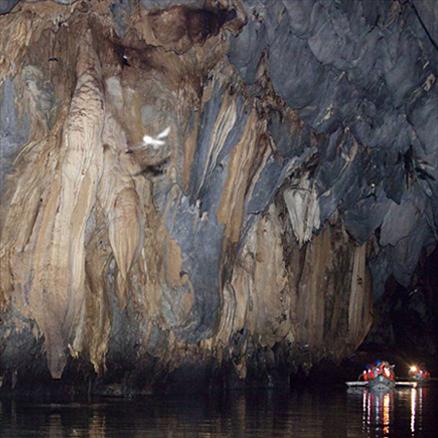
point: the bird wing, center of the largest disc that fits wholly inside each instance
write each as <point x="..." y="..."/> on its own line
<point x="147" y="140"/>
<point x="165" y="133"/>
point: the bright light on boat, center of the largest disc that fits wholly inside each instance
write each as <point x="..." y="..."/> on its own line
<point x="413" y="369"/>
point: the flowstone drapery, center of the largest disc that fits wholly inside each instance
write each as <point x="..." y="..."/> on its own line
<point x="216" y="185"/>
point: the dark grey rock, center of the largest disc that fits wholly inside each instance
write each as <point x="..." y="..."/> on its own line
<point x="162" y="4"/>
<point x="361" y="75"/>
<point x="201" y="262"/>
<point x="7" y="5"/>
<point x="399" y="221"/>
<point x="428" y="14"/>
<point x="188" y="225"/>
<point x="381" y="270"/>
<point x="290" y="141"/>
<point x="424" y="117"/>
<point x="298" y="84"/>
<point x="404" y="256"/>
<point x="14" y="130"/>
<point x="300" y="14"/>
<point x="65" y="2"/>
<point x="373" y="208"/>
<point x="203" y="165"/>
<point x="246" y="49"/>
<point x="395" y="181"/>
<point x="121" y="9"/>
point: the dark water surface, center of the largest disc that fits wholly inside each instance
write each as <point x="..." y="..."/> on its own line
<point x="325" y="412"/>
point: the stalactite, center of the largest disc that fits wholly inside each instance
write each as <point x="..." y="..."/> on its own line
<point x="190" y="186"/>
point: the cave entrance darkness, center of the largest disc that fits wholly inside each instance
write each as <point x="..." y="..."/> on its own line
<point x="405" y="323"/>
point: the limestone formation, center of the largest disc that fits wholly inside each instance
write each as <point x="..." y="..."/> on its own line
<point x="208" y="188"/>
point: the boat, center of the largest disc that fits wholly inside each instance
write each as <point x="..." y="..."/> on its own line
<point x="383" y="385"/>
<point x="380" y="377"/>
<point x="419" y="374"/>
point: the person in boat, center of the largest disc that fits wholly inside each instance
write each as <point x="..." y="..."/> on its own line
<point x="363" y="376"/>
<point x="419" y="373"/>
<point x="387" y="370"/>
<point x="379" y="368"/>
<point x="367" y="374"/>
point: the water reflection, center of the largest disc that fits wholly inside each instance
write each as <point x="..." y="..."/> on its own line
<point x="413" y="408"/>
<point x="386" y="413"/>
<point x="326" y="412"/>
<point x="417" y="396"/>
<point x="376" y="411"/>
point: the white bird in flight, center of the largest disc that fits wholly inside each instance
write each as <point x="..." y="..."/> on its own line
<point x="157" y="141"/>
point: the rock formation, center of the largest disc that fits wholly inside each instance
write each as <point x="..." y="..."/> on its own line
<point x="295" y="173"/>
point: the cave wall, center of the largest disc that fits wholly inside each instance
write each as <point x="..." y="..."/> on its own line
<point x="405" y="320"/>
<point x="296" y="171"/>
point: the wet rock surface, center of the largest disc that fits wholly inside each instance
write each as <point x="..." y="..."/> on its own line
<point x="208" y="188"/>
